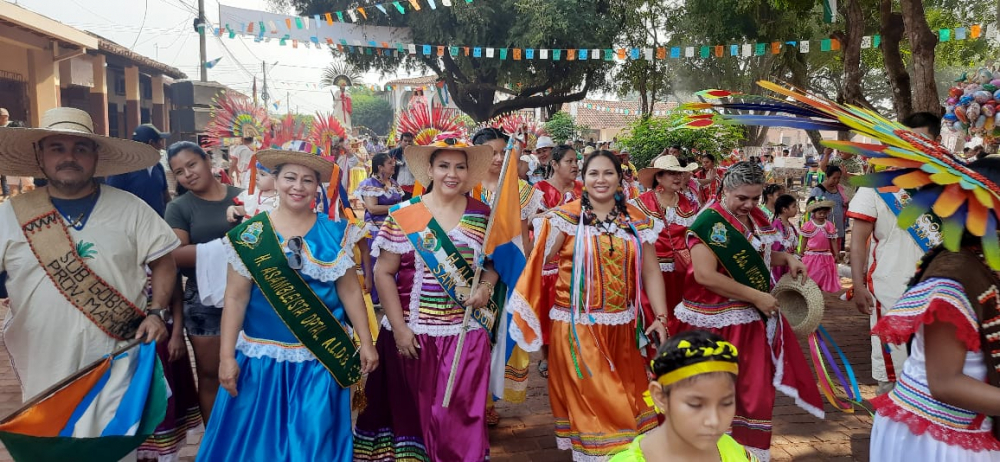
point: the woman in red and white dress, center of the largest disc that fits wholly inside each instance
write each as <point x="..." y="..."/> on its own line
<point x="559" y="187"/>
<point x="665" y="201"/>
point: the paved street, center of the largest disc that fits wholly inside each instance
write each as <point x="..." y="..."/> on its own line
<point x="525" y="433"/>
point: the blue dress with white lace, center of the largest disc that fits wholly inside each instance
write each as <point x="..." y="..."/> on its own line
<point x="288" y="407"/>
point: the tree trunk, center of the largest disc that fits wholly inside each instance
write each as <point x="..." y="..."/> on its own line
<point x="851" y="41"/>
<point x="922" y="43"/>
<point x="899" y="79"/>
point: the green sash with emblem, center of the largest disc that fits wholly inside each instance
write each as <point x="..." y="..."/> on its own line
<point x="297" y="305"/>
<point x="743" y="263"/>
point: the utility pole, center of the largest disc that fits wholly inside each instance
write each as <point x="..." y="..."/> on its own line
<point x="201" y="39"/>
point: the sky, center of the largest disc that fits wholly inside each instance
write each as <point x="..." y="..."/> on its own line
<point x="162" y="30"/>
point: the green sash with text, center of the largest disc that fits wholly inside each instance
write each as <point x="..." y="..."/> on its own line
<point x="294" y="301"/>
<point x="743" y="263"/>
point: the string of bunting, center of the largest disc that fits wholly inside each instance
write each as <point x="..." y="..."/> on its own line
<point x="353" y="15"/>
<point x="261" y="32"/>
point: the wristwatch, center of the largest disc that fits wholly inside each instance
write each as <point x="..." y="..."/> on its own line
<point x="162" y="313"/>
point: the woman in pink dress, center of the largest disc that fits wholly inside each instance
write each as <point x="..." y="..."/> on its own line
<point x="821" y="239"/>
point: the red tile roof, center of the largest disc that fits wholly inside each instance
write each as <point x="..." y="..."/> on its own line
<point x="601" y="114"/>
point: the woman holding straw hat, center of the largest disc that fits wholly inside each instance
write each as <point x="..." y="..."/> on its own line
<point x="727" y="291"/>
<point x="291" y="290"/>
<point x="428" y="250"/>
<point x="605" y="256"/>
<point x="665" y="202"/>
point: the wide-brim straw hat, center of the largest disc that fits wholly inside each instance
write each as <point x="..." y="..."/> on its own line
<point x="666" y="163"/>
<point x="298" y="153"/>
<point x="820" y="205"/>
<point x="801" y="303"/>
<point x="19" y="147"/>
<point x="478" y="159"/>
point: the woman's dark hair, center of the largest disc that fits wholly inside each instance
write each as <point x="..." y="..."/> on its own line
<point x="556" y="156"/>
<point x="770" y="190"/>
<point x="484" y="135"/>
<point x="378" y="160"/>
<point x="707" y="156"/>
<point x="619" y="194"/>
<point x="783" y="202"/>
<point x="831" y="169"/>
<point x="180" y="147"/>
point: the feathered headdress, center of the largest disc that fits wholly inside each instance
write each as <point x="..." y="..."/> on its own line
<point x="427" y="124"/>
<point x="234" y="118"/>
<point x="325" y="129"/>
<point x="940" y="182"/>
<point x="513" y="123"/>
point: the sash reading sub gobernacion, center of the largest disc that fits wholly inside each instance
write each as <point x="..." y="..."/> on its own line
<point x="302" y="311"/>
<point x="926" y="231"/>
<point x="444" y="260"/>
<point x="738" y="257"/>
<point x="53" y="246"/>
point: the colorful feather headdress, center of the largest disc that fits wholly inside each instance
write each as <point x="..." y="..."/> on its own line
<point x="325" y="130"/>
<point x="426" y="124"/>
<point x="942" y="184"/>
<point x="234" y="118"/>
<point x="513" y="123"/>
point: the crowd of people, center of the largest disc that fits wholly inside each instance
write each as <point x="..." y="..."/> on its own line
<point x="662" y="272"/>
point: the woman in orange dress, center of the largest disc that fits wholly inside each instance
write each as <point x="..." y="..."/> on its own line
<point x="604" y="253"/>
<point x="560" y="187"/>
<point x="665" y="202"/>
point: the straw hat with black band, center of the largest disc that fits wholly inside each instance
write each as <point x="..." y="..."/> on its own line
<point x="665" y="163"/>
<point x="820" y="204"/>
<point x="801" y="302"/>
<point x="19" y="147"/>
<point x="477" y="158"/>
<point x="298" y="153"/>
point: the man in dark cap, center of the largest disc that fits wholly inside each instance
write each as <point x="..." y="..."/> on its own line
<point x="148" y="184"/>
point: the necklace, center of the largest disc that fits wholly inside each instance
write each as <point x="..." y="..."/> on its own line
<point x="608" y="226"/>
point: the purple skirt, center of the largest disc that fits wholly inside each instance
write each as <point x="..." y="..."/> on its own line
<point x="404" y="420"/>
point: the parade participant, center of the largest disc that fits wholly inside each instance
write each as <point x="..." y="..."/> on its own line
<point x="830" y="189"/>
<point x="943" y="406"/>
<point x="543" y="150"/>
<point x="285" y="393"/>
<point x="403" y="174"/>
<point x="198" y="216"/>
<point x="605" y="256"/>
<point x="58" y="241"/>
<point x="378" y="194"/>
<point x="358" y="172"/>
<point x="850" y="166"/>
<point x="240" y="157"/>
<point x="818" y="251"/>
<point x="771" y="193"/>
<point x="629" y="183"/>
<point x="709" y="179"/>
<point x="424" y="278"/>
<point x="695" y="390"/>
<point x="561" y="187"/>
<point x="786" y="207"/>
<point x="150" y="184"/>
<point x="727" y="291"/>
<point x="664" y="202"/>
<point x="263" y="197"/>
<point x="881" y="269"/>
<point x="515" y="369"/>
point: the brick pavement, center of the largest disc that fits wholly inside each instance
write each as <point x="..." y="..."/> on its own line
<point x="525" y="433"/>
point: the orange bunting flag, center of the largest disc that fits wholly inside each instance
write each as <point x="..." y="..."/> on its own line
<point x="517" y="54"/>
<point x="329" y="18"/>
<point x="621" y="53"/>
<point x="416" y="6"/>
<point x="975" y="31"/>
<point x="719" y="51"/>
<point x="466" y="50"/>
<point x="363" y="14"/>
<point x="440" y="51"/>
<point x="775" y="47"/>
<point x="661" y="53"/>
<point x="570" y="54"/>
<point x="834" y="44"/>
<point x="288" y="22"/>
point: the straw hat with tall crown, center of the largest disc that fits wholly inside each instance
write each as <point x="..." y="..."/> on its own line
<point x="299" y="153"/>
<point x="19" y="147"/>
<point x="478" y="158"/>
<point x="665" y="163"/>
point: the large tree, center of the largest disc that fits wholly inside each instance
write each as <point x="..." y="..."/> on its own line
<point x="488" y="87"/>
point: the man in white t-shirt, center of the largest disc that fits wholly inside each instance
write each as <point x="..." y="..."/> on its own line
<point x="239" y="161"/>
<point x="880" y="273"/>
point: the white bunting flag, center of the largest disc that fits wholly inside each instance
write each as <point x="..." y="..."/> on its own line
<point x="490" y="52"/>
<point x="647" y="53"/>
<point x="866" y="42"/>
<point x="412" y="48"/>
<point x="747" y="50"/>
<point x="689" y="52"/>
<point x="543" y="53"/>
<point x="804" y="46"/>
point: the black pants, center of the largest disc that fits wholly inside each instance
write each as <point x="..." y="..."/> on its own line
<point x="4" y="186"/>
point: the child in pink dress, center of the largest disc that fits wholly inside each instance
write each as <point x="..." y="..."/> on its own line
<point x="821" y="239"/>
<point x="785" y="208"/>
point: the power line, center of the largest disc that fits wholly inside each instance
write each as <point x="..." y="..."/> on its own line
<point x="145" y="12"/>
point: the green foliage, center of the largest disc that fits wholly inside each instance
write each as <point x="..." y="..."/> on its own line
<point x="371" y="111"/>
<point x="476" y="82"/>
<point x="646" y="138"/>
<point x="561" y="127"/>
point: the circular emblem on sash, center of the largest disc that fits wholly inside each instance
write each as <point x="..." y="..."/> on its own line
<point x="250" y="236"/>
<point x="429" y="241"/>
<point x="719" y="234"/>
